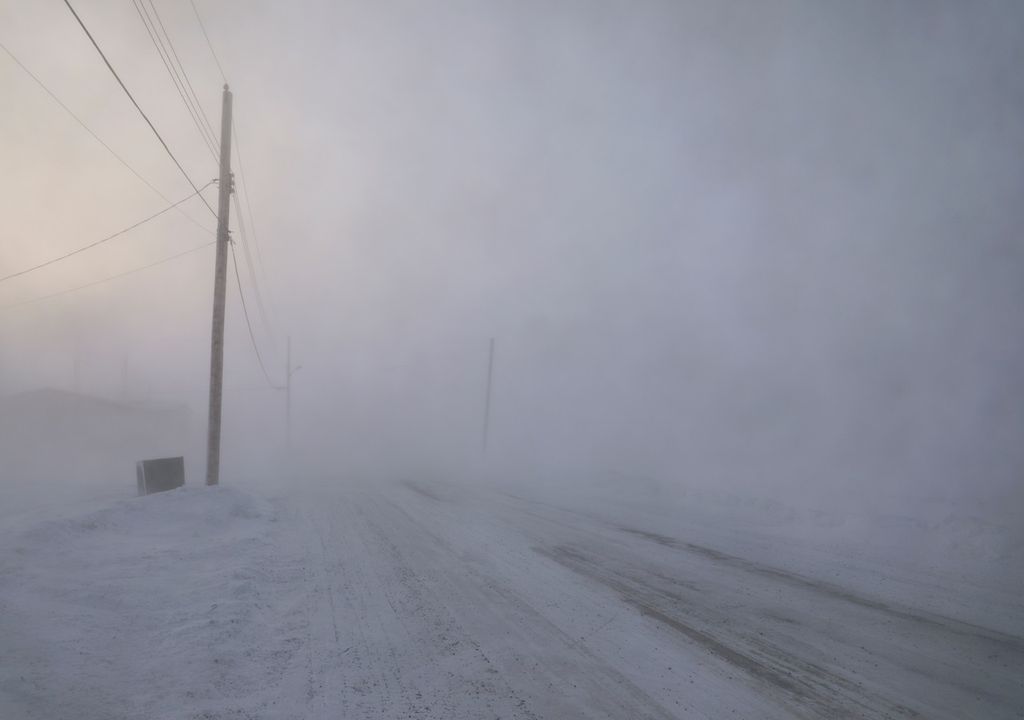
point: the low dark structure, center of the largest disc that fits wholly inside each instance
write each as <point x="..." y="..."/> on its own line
<point x="160" y="474"/>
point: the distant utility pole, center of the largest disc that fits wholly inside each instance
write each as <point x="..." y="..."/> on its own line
<point x="487" y="398"/>
<point x="78" y="368"/>
<point x="219" y="288"/>
<point x="288" y="372"/>
<point x="76" y="364"/>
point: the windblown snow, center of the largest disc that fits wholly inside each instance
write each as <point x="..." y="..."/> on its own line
<point x="430" y="600"/>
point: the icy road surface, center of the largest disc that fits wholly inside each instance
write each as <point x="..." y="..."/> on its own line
<point x="418" y="600"/>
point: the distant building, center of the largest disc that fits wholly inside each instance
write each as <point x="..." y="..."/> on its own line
<point x="58" y="442"/>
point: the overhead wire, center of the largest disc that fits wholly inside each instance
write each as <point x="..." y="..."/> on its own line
<point x="172" y="72"/>
<point x="109" y="278"/>
<point x="180" y="84"/>
<point x="253" y="271"/>
<point x="251" y="267"/>
<point x="184" y="82"/>
<point x="248" y="322"/>
<point x="103" y="240"/>
<point x="184" y="75"/>
<point x="241" y="226"/>
<point x="245" y="189"/>
<point x="208" y="43"/>
<point x="135" y="103"/>
<point x="97" y="138"/>
<point x="241" y="217"/>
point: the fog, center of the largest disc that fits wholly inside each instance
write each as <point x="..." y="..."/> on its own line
<point x="769" y="250"/>
<point x="651" y="359"/>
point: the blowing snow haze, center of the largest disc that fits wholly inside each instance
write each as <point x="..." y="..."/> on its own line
<point x="761" y="254"/>
<point x="770" y="247"/>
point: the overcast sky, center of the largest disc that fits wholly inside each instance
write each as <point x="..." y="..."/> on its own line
<point x="753" y="245"/>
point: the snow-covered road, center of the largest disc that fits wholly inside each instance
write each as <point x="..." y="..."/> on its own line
<point x="423" y="600"/>
<point x="477" y="605"/>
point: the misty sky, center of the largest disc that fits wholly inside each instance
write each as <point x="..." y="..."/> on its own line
<point x="752" y="245"/>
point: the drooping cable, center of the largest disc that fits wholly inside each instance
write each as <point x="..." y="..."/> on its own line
<point x="248" y="323"/>
<point x="208" y="43"/>
<point x="136" y="104"/>
<point x="103" y="240"/>
<point x="109" y="278"/>
<point x="172" y="72"/>
<point x="185" y="77"/>
<point x="245" y="190"/>
<point x="244" y="238"/>
<point x="241" y="224"/>
<point x="97" y="138"/>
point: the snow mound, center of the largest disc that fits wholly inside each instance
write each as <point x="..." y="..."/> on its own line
<point x="149" y="607"/>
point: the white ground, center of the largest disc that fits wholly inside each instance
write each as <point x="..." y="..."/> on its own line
<point x="423" y="600"/>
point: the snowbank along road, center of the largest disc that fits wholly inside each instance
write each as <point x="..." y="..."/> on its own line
<point x="421" y="600"/>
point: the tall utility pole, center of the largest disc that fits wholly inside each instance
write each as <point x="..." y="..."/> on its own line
<point x="219" y="288"/>
<point x="288" y="372"/>
<point x="487" y="398"/>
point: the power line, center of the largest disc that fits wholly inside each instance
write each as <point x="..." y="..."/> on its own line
<point x="172" y="71"/>
<point x="241" y="226"/>
<point x="108" y="279"/>
<point x="251" y="267"/>
<point x="103" y="240"/>
<point x="132" y="98"/>
<point x="248" y="204"/>
<point x="184" y="74"/>
<point x="245" y="311"/>
<point x="208" y="43"/>
<point x="96" y="137"/>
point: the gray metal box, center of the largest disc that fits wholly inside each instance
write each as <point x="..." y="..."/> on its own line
<point x="160" y="474"/>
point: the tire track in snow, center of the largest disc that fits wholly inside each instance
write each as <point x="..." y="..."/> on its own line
<point x="399" y="651"/>
<point x="949" y="625"/>
<point x="562" y="678"/>
<point x="838" y="658"/>
<point x="330" y="592"/>
<point x="811" y="686"/>
<point x="442" y="647"/>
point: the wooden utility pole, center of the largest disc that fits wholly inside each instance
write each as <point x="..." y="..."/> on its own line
<point x="487" y="398"/>
<point x="219" y="289"/>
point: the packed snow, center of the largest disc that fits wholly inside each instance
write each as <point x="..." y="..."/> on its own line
<point x="432" y="600"/>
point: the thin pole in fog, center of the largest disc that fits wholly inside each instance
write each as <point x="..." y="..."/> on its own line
<point x="288" y="395"/>
<point x="219" y="291"/>
<point x="288" y="372"/>
<point x="487" y="397"/>
<point x="77" y="366"/>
